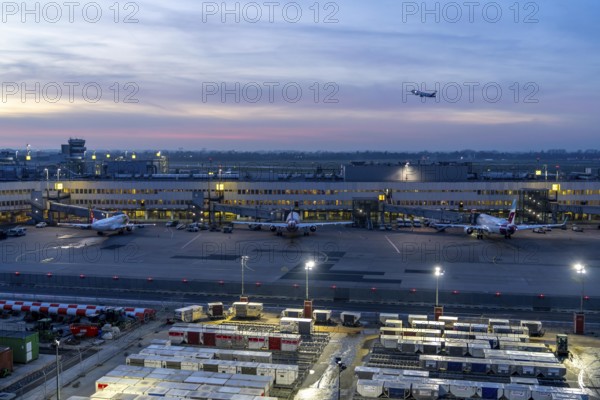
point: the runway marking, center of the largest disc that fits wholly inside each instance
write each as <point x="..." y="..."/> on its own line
<point x="393" y="245"/>
<point x="190" y="242"/>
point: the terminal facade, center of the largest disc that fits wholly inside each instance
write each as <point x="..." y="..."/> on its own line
<point x="191" y="199"/>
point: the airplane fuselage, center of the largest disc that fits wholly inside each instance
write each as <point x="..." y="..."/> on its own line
<point x="114" y="223"/>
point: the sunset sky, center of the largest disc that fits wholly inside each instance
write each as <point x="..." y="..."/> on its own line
<point x="301" y="75"/>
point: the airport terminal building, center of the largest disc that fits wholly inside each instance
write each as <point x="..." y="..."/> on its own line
<point x="363" y="193"/>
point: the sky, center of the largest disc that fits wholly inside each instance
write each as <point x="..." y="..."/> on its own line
<point x="307" y="76"/>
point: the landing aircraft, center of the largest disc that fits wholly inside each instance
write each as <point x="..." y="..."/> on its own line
<point x="486" y="224"/>
<point x="292" y="224"/>
<point x="118" y="222"/>
<point x="423" y="94"/>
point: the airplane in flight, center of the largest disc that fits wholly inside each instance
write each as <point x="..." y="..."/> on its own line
<point x="423" y="94"/>
<point x="291" y="224"/>
<point x="119" y="222"/>
<point x="487" y="224"/>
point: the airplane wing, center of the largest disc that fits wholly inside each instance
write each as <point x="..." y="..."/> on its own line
<point x="79" y="226"/>
<point x="135" y="225"/>
<point x="276" y="224"/>
<point x="309" y="224"/>
<point x="525" y="227"/>
<point x="480" y="228"/>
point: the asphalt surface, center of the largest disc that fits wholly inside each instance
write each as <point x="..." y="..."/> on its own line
<point x="528" y="263"/>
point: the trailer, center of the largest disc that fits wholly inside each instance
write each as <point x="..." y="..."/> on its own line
<point x="535" y="327"/>
<point x="448" y="321"/>
<point x="393" y="323"/>
<point x="416" y="317"/>
<point x="189" y="313"/>
<point x="293" y="313"/>
<point x="350" y="318"/>
<point x="322" y="316"/>
<point x="215" y="310"/>
<point x="383" y="317"/>
<point x="244" y="309"/>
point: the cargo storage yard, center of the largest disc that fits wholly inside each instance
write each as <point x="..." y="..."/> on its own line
<point x="402" y="311"/>
<point x="216" y="347"/>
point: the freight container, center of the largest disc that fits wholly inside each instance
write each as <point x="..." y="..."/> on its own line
<point x="215" y="310"/>
<point x="416" y="317"/>
<point x="535" y="327"/>
<point x="517" y="392"/>
<point x="322" y="316"/>
<point x="369" y="388"/>
<point x="393" y="323"/>
<point x="465" y="389"/>
<point x="418" y="324"/>
<point x="448" y="321"/>
<point x="25" y="346"/>
<point x="497" y="321"/>
<point x="389" y="341"/>
<point x="243" y="309"/>
<point x="257" y="342"/>
<point x="293" y="312"/>
<point x="286" y="374"/>
<point x="350" y="318"/>
<point x="6" y="359"/>
<point x="290" y="342"/>
<point x="385" y="316"/>
<point x="424" y="391"/>
<point x="189" y="314"/>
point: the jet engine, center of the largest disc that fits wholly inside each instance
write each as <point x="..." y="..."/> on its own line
<point x="468" y="230"/>
<point x="272" y="228"/>
<point x="508" y="230"/>
<point x="313" y="228"/>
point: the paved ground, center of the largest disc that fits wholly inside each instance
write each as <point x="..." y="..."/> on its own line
<point x="352" y="345"/>
<point x="529" y="263"/>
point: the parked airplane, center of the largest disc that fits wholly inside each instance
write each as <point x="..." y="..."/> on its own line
<point x="292" y="224"/>
<point x="423" y="94"/>
<point x="118" y="222"/>
<point x="486" y="224"/>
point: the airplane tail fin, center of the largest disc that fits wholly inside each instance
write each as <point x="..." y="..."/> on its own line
<point x="513" y="212"/>
<point x="92" y="218"/>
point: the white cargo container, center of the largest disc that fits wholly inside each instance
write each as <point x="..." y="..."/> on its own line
<point x="369" y="388"/>
<point x="215" y="310"/>
<point x="286" y="374"/>
<point x="448" y="321"/>
<point x="517" y="392"/>
<point x="322" y="316"/>
<point x="350" y="318"/>
<point x="416" y="317"/>
<point x="385" y="316"/>
<point x="189" y="314"/>
<point x="498" y="321"/>
<point x="302" y="326"/>
<point x="242" y="309"/>
<point x="293" y="312"/>
<point x="535" y="327"/>
<point x="393" y="323"/>
<point x="465" y="389"/>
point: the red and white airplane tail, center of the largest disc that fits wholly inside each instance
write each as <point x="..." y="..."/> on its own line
<point x="513" y="213"/>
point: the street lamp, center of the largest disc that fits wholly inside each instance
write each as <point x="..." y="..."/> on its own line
<point x="438" y="271"/>
<point x="341" y="367"/>
<point x="580" y="269"/>
<point x="244" y="261"/>
<point x="58" y="174"/>
<point x="309" y="265"/>
<point x="57" y="343"/>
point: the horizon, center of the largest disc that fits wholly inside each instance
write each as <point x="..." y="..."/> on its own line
<point x="326" y="75"/>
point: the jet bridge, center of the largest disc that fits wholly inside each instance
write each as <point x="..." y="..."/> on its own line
<point x="439" y="214"/>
